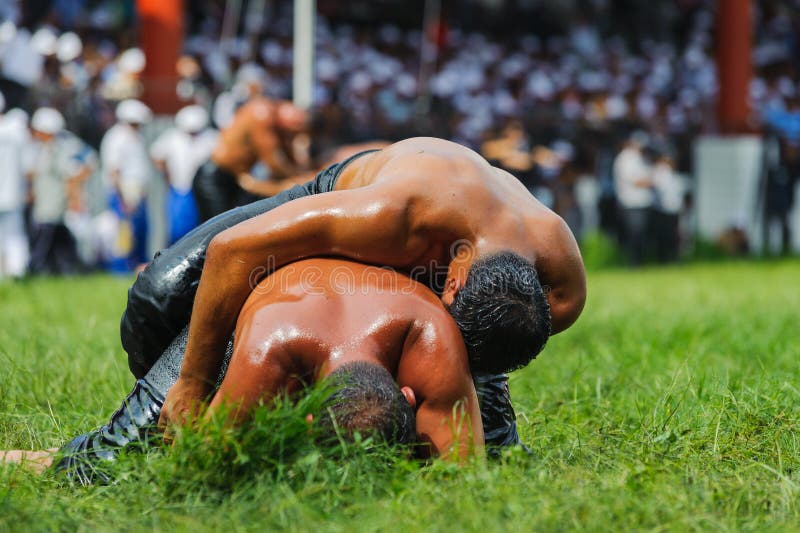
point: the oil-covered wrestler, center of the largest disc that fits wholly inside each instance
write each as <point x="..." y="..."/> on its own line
<point x="429" y="207"/>
<point x="316" y="318"/>
<point x="262" y="130"/>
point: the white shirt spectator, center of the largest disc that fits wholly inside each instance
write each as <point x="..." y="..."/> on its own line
<point x="13" y="240"/>
<point x="124" y="160"/>
<point x="669" y="188"/>
<point x="183" y="154"/>
<point x="51" y="165"/>
<point x="13" y="138"/>
<point x="630" y="170"/>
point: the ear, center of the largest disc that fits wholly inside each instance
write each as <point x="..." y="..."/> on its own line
<point x="410" y="396"/>
<point x="451" y="288"/>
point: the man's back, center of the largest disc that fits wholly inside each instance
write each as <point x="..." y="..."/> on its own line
<point x="321" y="314"/>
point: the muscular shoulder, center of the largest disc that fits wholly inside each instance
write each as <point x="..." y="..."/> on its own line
<point x="434" y="357"/>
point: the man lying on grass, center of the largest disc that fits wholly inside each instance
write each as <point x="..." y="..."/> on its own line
<point x="304" y="323"/>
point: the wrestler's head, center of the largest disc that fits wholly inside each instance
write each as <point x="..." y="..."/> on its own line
<point x="291" y="118"/>
<point x="502" y="312"/>
<point x="368" y="401"/>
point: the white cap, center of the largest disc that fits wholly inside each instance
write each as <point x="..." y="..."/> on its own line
<point x="131" y="61"/>
<point x="68" y="47"/>
<point x="191" y="119"/>
<point x="133" y="112"/>
<point x="18" y="115"/>
<point x="47" y="120"/>
<point x="44" y="42"/>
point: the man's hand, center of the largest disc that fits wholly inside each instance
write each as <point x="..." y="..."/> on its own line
<point x="184" y="402"/>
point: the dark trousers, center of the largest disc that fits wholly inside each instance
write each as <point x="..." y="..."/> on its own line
<point x="665" y="229"/>
<point x="781" y="218"/>
<point x="635" y="225"/>
<point x="53" y="250"/>
<point x="216" y="191"/>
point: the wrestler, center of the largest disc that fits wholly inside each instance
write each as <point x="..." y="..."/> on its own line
<point x="262" y="130"/>
<point x="328" y="315"/>
<point x="410" y="206"/>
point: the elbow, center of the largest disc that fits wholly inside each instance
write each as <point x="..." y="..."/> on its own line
<point x="565" y="310"/>
<point x="224" y="251"/>
<point x="221" y="247"/>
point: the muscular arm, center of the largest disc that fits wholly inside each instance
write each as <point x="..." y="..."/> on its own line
<point x="253" y="377"/>
<point x="369" y="224"/>
<point x="448" y="417"/>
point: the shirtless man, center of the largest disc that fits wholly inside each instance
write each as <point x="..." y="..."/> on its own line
<point x="325" y="316"/>
<point x="262" y="130"/>
<point x="426" y="206"/>
<point x="330" y="313"/>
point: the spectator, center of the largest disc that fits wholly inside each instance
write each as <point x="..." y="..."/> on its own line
<point x="669" y="193"/>
<point x="54" y="165"/>
<point x="126" y="171"/>
<point x="780" y="177"/>
<point x="633" y="184"/>
<point x="178" y="153"/>
<point x="13" y="240"/>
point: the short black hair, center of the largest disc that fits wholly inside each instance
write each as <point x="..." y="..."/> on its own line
<point x="502" y="312"/>
<point x="368" y="401"/>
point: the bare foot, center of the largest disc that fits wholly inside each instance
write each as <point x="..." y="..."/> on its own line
<point x="36" y="460"/>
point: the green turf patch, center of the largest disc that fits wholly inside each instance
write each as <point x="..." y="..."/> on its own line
<point x="673" y="404"/>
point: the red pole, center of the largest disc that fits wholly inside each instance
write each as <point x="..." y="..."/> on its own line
<point x="161" y="37"/>
<point x="734" y="50"/>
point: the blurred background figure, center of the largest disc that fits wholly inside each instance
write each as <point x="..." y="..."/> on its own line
<point x="257" y="155"/>
<point x="669" y="192"/>
<point x="55" y="166"/>
<point x="634" y="185"/>
<point x="126" y="171"/>
<point x="780" y="176"/>
<point x="13" y="238"/>
<point x="178" y="153"/>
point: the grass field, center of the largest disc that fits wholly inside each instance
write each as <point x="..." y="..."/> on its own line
<point x="673" y="404"/>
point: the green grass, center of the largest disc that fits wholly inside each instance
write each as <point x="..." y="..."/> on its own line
<point x="673" y="404"/>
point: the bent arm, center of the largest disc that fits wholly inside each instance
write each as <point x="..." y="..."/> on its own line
<point x="435" y="367"/>
<point x="451" y="425"/>
<point x="368" y="224"/>
<point x="564" y="275"/>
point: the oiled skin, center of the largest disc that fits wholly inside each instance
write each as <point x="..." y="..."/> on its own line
<point x="409" y="206"/>
<point x="329" y="312"/>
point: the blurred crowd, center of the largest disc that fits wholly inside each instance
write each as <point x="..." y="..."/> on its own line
<point x="597" y="118"/>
